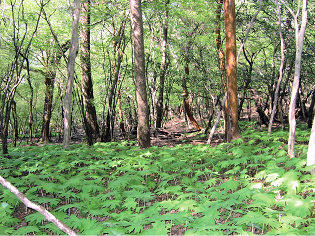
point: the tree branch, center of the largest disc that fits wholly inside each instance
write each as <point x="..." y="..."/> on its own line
<point x="48" y="216"/>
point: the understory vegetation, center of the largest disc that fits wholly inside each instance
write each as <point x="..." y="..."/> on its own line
<point x="246" y="187"/>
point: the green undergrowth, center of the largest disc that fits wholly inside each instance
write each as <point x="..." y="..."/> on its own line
<point x="246" y="187"/>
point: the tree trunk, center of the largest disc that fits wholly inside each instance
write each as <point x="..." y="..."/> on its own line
<point x="143" y="129"/>
<point x="276" y="94"/>
<point x="230" y="33"/>
<point x="15" y="122"/>
<point x="118" y="51"/>
<point x="299" y="38"/>
<point x="311" y="148"/>
<point x="91" y="125"/>
<point x="311" y="110"/>
<point x="221" y="59"/>
<point x="187" y="107"/>
<point x="50" y="75"/>
<point x="70" y="68"/>
<point x="49" y="83"/>
<point x="159" y="105"/>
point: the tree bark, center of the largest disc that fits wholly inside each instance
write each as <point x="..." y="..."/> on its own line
<point x="230" y="33"/>
<point x="70" y="68"/>
<point x="221" y="59"/>
<point x="91" y="125"/>
<point x="299" y="38"/>
<point x="143" y="129"/>
<point x="159" y="105"/>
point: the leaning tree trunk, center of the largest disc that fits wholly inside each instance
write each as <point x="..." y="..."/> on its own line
<point x="230" y="33"/>
<point x="143" y="129"/>
<point x="299" y="38"/>
<point x="159" y="105"/>
<point x="91" y="125"/>
<point x="187" y="106"/>
<point x="70" y="68"/>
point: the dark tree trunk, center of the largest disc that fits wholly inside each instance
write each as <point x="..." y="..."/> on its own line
<point x="310" y="111"/>
<point x="143" y="129"/>
<point x="50" y="75"/>
<point x="91" y="125"/>
<point x="49" y="83"/>
<point x="159" y="105"/>
<point x="15" y="122"/>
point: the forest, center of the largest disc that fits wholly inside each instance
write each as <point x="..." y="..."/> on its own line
<point x="157" y="117"/>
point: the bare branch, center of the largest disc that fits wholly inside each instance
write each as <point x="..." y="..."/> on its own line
<point x="48" y="216"/>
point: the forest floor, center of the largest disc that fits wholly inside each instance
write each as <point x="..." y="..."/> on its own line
<point x="178" y="186"/>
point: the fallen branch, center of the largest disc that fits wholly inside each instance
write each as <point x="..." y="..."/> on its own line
<point x="48" y="216"/>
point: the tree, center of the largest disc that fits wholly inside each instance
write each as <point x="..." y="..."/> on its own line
<point x="143" y="129"/>
<point x="90" y="118"/>
<point x="159" y="105"/>
<point x="230" y="34"/>
<point x="53" y="60"/>
<point x="311" y="148"/>
<point x="299" y="39"/>
<point x="70" y="68"/>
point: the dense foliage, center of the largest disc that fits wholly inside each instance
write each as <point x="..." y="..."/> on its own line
<point x="247" y="187"/>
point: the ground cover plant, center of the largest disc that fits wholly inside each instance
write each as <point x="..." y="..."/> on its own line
<point x="248" y="186"/>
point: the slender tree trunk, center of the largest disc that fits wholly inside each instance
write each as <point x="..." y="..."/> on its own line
<point x="143" y="129"/>
<point x="91" y="125"/>
<point x="159" y="105"/>
<point x="230" y="33"/>
<point x="15" y="122"/>
<point x="49" y="83"/>
<point x="276" y="94"/>
<point x="120" y="113"/>
<point x="299" y="38"/>
<point x="118" y="51"/>
<point x="70" y="68"/>
<point x="30" y="116"/>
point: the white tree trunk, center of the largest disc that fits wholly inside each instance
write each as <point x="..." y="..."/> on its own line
<point x="311" y="148"/>
<point x="299" y="38"/>
<point x="70" y="67"/>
